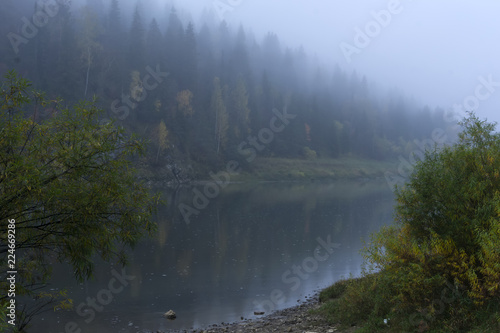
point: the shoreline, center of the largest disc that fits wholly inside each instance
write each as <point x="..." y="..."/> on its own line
<point x="276" y="170"/>
<point x="296" y="319"/>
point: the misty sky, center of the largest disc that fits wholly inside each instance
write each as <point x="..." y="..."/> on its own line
<point x="435" y="51"/>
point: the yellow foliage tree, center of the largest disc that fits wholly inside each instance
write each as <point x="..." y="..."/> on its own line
<point x="136" y="87"/>
<point x="184" y="100"/>
<point x="162" y="135"/>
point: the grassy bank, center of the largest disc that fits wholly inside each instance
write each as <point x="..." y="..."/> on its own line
<point x="361" y="302"/>
<point x="278" y="169"/>
<point x="281" y="169"/>
<point x="437" y="268"/>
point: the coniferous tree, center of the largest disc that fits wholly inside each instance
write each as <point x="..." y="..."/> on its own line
<point x="42" y="53"/>
<point x="114" y="50"/>
<point x="239" y="113"/>
<point x="223" y="46"/>
<point x="240" y="65"/>
<point x="150" y="111"/>
<point x="90" y="47"/>
<point x="173" y="38"/>
<point x="271" y="55"/>
<point x="207" y="70"/>
<point x="189" y="69"/>
<point x="218" y="109"/>
<point x="265" y="103"/>
<point x="339" y="86"/>
<point x="65" y="54"/>
<point x="114" y="21"/>
<point x="287" y="72"/>
<point x="154" y="40"/>
<point x="137" y="42"/>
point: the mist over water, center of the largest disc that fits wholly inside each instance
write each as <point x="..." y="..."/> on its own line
<point x="257" y="247"/>
<point x="297" y="93"/>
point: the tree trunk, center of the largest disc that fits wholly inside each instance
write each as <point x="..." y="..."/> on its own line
<point x="88" y="72"/>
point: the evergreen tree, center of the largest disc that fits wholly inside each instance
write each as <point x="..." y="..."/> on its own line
<point x="63" y="54"/>
<point x="137" y="42"/>
<point x="239" y="112"/>
<point x="154" y="40"/>
<point x="265" y="103"/>
<point x="288" y="75"/>
<point x="189" y="70"/>
<point x="207" y="70"/>
<point x="240" y="65"/>
<point x="271" y="55"/>
<point x="114" y="20"/>
<point x="218" y="109"/>
<point x="339" y="86"/>
<point x="114" y="50"/>
<point x="173" y="40"/>
<point x="223" y="47"/>
<point x="90" y="47"/>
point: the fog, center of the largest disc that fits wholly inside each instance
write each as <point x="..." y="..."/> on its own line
<point x="368" y="78"/>
<point x="296" y="96"/>
<point x="435" y="51"/>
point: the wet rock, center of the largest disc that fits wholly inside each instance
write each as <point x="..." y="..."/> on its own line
<point x="170" y="315"/>
<point x="297" y="319"/>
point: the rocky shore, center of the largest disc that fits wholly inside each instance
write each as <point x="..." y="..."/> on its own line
<point x="296" y="319"/>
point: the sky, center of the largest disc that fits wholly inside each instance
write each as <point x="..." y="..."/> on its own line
<point x="442" y="53"/>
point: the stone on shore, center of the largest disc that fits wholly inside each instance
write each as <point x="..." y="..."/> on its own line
<point x="170" y="315"/>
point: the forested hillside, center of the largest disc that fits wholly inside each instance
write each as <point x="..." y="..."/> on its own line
<point x="203" y="91"/>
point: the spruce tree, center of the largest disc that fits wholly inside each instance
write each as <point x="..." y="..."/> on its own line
<point x="137" y="42"/>
<point x="219" y="112"/>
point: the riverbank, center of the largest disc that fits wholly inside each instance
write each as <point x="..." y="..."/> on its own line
<point x="276" y="169"/>
<point x="316" y="315"/>
<point x="280" y="169"/>
<point x="298" y="319"/>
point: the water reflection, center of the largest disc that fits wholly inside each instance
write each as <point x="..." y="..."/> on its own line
<point x="256" y="246"/>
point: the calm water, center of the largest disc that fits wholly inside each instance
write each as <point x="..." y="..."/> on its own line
<point x="255" y="247"/>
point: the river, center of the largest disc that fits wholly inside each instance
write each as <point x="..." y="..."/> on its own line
<point x="254" y="247"/>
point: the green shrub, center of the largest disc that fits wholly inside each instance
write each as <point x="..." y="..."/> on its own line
<point x="309" y="154"/>
<point x="334" y="291"/>
<point x="68" y="183"/>
<point x="439" y="264"/>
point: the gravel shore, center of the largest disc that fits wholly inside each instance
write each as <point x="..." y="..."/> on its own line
<point x="296" y="319"/>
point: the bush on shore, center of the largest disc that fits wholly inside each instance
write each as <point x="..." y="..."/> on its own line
<point x="437" y="269"/>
